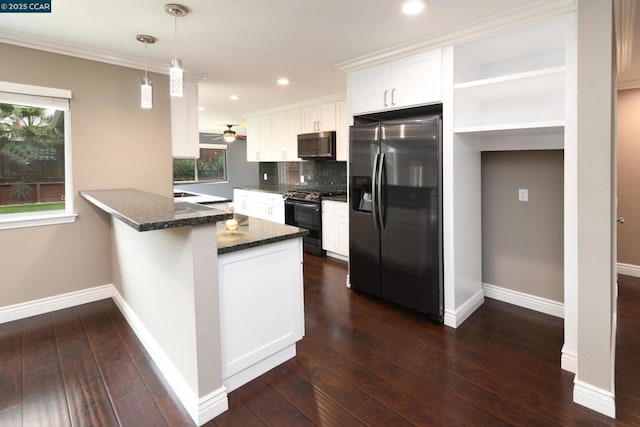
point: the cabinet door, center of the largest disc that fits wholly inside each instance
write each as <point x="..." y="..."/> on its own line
<point x="327" y="226"/>
<point x="286" y="127"/>
<point x="280" y="143"/>
<point x="319" y="118"/>
<point x="274" y="204"/>
<point x="416" y="79"/>
<point x="184" y="123"/>
<point x="259" y="139"/>
<point x="368" y="89"/>
<point x="342" y="131"/>
<point x="241" y="202"/>
<point x="341" y="228"/>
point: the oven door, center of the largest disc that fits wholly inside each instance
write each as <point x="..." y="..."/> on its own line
<point x="303" y="214"/>
<point x="306" y="215"/>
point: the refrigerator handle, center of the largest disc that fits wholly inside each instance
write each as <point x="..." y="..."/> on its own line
<point x="374" y="202"/>
<point x="379" y="195"/>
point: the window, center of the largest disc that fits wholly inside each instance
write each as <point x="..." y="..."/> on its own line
<point x="35" y="184"/>
<point x="210" y="167"/>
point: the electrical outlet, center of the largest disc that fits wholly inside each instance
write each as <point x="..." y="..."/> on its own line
<point x="264" y="176"/>
<point x="302" y="178"/>
<point x="523" y="195"/>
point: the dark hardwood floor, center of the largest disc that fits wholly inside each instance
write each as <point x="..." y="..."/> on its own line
<point x="362" y="362"/>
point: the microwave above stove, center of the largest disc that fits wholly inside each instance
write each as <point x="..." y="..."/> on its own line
<point x="317" y="146"/>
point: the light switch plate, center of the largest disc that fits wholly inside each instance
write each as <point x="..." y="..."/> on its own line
<point x="264" y="176"/>
<point x="523" y="195"/>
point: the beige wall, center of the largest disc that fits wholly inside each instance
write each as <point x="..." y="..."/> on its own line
<point x="114" y="144"/>
<point x="629" y="176"/>
<point x="522" y="242"/>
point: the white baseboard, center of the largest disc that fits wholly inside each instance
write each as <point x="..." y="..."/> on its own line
<point x="200" y="410"/>
<point x="532" y="302"/>
<point x="455" y="318"/>
<point x="240" y="378"/>
<point x="58" y="302"/>
<point x="569" y="361"/>
<point x="629" y="269"/>
<point x="337" y="256"/>
<point x="595" y="398"/>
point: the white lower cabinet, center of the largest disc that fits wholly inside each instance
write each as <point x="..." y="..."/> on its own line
<point x="261" y="309"/>
<point x="335" y="228"/>
<point x="259" y="204"/>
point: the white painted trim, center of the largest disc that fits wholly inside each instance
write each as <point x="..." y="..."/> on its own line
<point x="455" y="318"/>
<point x="595" y="398"/>
<point x="23" y="89"/>
<point x="254" y="371"/>
<point x="532" y="302"/>
<point x="212" y="405"/>
<point x="629" y="269"/>
<point x="569" y="360"/>
<point x="336" y="97"/>
<point x="628" y="84"/>
<point x="23" y="220"/>
<point x="213" y="402"/>
<point x="337" y="256"/>
<point x="41" y="43"/>
<point x="59" y="302"/>
<point x="531" y="12"/>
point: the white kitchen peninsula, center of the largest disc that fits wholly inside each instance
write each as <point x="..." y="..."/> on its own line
<point x="213" y="308"/>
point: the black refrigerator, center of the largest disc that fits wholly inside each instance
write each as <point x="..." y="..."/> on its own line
<point x="395" y="211"/>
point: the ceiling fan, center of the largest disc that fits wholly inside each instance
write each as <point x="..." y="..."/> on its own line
<point x="228" y="135"/>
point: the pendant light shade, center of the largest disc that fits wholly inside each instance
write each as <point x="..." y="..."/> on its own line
<point x="229" y="135"/>
<point x="146" y="88"/>
<point x="175" y="71"/>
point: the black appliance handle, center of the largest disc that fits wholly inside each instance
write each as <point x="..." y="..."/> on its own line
<point x="374" y="174"/>
<point x="379" y="196"/>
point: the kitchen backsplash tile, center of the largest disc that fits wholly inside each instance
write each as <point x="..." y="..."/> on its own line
<point x="322" y="174"/>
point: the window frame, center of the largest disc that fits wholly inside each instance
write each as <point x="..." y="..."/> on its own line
<point x="208" y="146"/>
<point x="43" y="97"/>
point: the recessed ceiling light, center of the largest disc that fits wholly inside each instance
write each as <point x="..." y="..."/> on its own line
<point x="414" y="7"/>
<point x="234" y="97"/>
<point x="283" y="81"/>
<point x="200" y="108"/>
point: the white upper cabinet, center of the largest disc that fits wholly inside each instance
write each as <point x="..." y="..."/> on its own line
<point x="405" y="82"/>
<point x="513" y="84"/>
<point x="259" y="137"/>
<point x="184" y="123"/>
<point x="342" y="131"/>
<point x="319" y="118"/>
<point x="286" y="127"/>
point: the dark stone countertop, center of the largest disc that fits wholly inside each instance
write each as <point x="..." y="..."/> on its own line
<point x="281" y="188"/>
<point x="147" y="211"/>
<point x="254" y="232"/>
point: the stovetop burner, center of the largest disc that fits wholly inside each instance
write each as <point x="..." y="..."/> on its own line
<point x="312" y="194"/>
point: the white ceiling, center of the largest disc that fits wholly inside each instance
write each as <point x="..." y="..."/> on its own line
<point x="242" y="46"/>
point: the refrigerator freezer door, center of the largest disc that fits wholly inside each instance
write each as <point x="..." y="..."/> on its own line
<point x="411" y="212"/>
<point x="364" y="237"/>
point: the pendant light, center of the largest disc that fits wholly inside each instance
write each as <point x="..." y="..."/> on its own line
<point x="229" y="135"/>
<point x="146" y="88"/>
<point x="175" y="71"/>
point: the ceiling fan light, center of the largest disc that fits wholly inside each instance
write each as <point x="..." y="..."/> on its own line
<point x="229" y="135"/>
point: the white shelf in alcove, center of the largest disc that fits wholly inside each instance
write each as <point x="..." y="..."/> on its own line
<point x="511" y="85"/>
<point x="537" y="128"/>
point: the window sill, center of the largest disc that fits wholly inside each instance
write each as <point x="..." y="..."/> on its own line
<point x="22" y="220"/>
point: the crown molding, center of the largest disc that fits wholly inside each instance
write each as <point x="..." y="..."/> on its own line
<point x="46" y="45"/>
<point x="629" y="84"/>
<point x="336" y="97"/>
<point x="535" y="11"/>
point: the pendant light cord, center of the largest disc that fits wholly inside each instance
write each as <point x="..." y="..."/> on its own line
<point x="175" y="36"/>
<point x="145" y="60"/>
